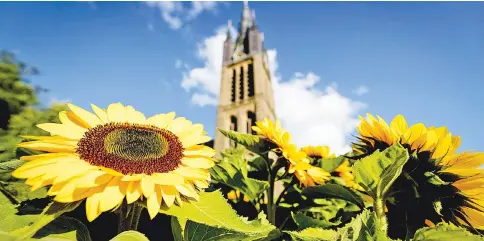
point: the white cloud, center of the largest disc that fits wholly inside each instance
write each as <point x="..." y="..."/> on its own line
<point x="204" y="99"/>
<point x="174" y="14"/>
<point x="361" y="90"/>
<point x="314" y="116"/>
<point x="178" y="63"/>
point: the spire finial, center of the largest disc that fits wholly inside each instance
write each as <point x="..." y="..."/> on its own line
<point x="246" y="4"/>
<point x="262" y="37"/>
<point x="253" y="14"/>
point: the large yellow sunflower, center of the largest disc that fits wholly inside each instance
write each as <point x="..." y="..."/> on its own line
<point x="344" y="172"/>
<point x="117" y="153"/>
<point x="446" y="185"/>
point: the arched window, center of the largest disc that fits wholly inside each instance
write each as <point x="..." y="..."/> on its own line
<point x="250" y="122"/>
<point x="241" y="81"/>
<point x="250" y="75"/>
<point x="233" y="127"/>
<point x="234" y="83"/>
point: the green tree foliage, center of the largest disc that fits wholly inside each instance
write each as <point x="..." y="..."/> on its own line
<point x="24" y="123"/>
<point x="15" y="91"/>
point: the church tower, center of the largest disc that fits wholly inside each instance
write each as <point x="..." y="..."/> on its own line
<point x="246" y="94"/>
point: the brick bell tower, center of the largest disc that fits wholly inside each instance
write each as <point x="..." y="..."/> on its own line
<point x="246" y="93"/>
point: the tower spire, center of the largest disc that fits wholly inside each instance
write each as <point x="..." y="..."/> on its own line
<point x="229" y="26"/>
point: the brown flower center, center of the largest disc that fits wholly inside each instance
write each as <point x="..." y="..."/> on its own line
<point x="131" y="148"/>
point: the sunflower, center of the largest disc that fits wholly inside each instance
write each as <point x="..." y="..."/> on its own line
<point x="307" y="174"/>
<point x="318" y="152"/>
<point x="116" y="154"/>
<point x="449" y="186"/>
<point x="281" y="138"/>
<point x="235" y="194"/>
<point x="344" y="172"/>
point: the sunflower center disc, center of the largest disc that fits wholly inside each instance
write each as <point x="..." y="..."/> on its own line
<point x="131" y="148"/>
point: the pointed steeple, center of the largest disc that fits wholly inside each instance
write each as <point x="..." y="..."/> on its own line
<point x="229" y="26"/>
<point x="246" y="19"/>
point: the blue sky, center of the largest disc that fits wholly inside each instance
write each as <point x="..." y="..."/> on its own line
<point x="423" y="60"/>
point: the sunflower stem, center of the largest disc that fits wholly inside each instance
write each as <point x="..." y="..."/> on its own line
<point x="128" y="216"/>
<point x="381" y="219"/>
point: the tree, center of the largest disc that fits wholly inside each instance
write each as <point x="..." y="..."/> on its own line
<point x="15" y="91"/>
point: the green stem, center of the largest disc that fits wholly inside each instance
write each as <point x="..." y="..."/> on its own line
<point x="128" y="216"/>
<point x="270" y="200"/>
<point x="381" y="219"/>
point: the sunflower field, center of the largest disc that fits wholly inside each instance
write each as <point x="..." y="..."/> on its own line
<point x="112" y="173"/>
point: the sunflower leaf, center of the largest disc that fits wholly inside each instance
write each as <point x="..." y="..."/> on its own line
<point x="50" y="213"/>
<point x="445" y="232"/>
<point x="9" y="166"/>
<point x="9" y="220"/>
<point x="359" y="229"/>
<point x="333" y="191"/>
<point x="312" y="234"/>
<point x="177" y="228"/>
<point x="304" y="222"/>
<point x="232" y="171"/>
<point x="67" y="227"/>
<point x="201" y="232"/>
<point x="213" y="210"/>
<point x="378" y="171"/>
<point x="251" y="142"/>
<point x="130" y="236"/>
<point x="330" y="164"/>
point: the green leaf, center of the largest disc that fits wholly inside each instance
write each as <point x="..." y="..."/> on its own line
<point x="9" y="166"/>
<point x="66" y="227"/>
<point x="445" y="232"/>
<point x="19" y="191"/>
<point x="9" y="220"/>
<point x="130" y="236"/>
<point x="359" y="229"/>
<point x="378" y="171"/>
<point x="251" y="142"/>
<point x="312" y="234"/>
<point x="177" y="228"/>
<point x="333" y="191"/>
<point x="330" y="164"/>
<point x="51" y="212"/>
<point x="232" y="171"/>
<point x="304" y="221"/>
<point x="435" y="179"/>
<point x="200" y="232"/>
<point x="213" y="210"/>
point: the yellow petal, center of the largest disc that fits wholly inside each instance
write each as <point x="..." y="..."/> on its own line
<point x="399" y="125"/>
<point x="201" y="183"/>
<point x="161" y="120"/>
<point x="41" y="166"/>
<point x="93" y="203"/>
<point x="414" y="133"/>
<point x="133" y="192"/>
<point x="91" y="119"/>
<point x="442" y="147"/>
<point x="113" y="194"/>
<point x="44" y="155"/>
<point x="94" y="178"/>
<point x="69" y="118"/>
<point x="147" y="186"/>
<point x="188" y="142"/>
<point x="134" y="116"/>
<point x="192" y="173"/>
<point x="101" y="114"/>
<point x="167" y="178"/>
<point x="74" y="132"/>
<point x="74" y="170"/>
<point x="169" y="194"/>
<point x="198" y="162"/>
<point x="116" y="113"/>
<point x="153" y="203"/>
<point x="199" y="150"/>
<point x="187" y="190"/>
<point x="475" y="217"/>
